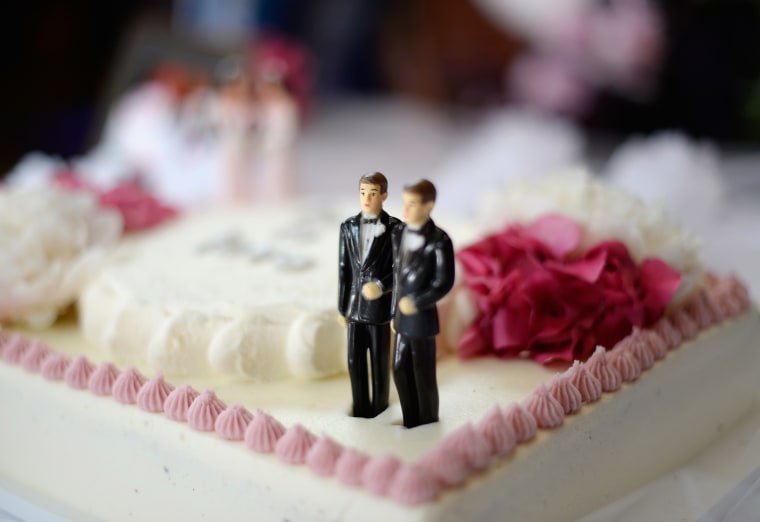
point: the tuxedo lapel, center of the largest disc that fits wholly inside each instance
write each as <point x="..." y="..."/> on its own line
<point x="415" y="257"/>
<point x="356" y="250"/>
<point x="378" y="242"/>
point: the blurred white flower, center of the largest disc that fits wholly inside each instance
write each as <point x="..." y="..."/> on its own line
<point x="51" y="242"/>
<point x="669" y="168"/>
<point x="35" y="169"/>
<point x="509" y="145"/>
<point x="549" y="83"/>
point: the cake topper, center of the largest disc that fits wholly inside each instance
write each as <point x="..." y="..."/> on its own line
<point x="364" y="295"/>
<point x="423" y="273"/>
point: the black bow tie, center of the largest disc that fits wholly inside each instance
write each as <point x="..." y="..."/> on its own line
<point x="367" y="221"/>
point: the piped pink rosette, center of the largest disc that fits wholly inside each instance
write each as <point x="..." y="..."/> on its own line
<point x="263" y="433"/>
<point x="178" y="403"/>
<point x="566" y="394"/>
<point x="626" y="364"/>
<point x="232" y="422"/>
<point x="703" y="310"/>
<point x="450" y="469"/>
<point x="153" y="394"/>
<point x="350" y="467"/>
<point x="204" y="411"/>
<point x="78" y="373"/>
<point x="587" y="384"/>
<point x="547" y="410"/>
<point x="54" y="366"/>
<point x="323" y="456"/>
<point x="127" y="386"/>
<point x="413" y="485"/>
<point x="34" y="356"/>
<point x="637" y="346"/>
<point x="656" y="344"/>
<point x="103" y="378"/>
<point x="523" y="423"/>
<point x="14" y="349"/>
<point x="498" y="432"/>
<point x="379" y="473"/>
<point x="668" y="332"/>
<point x="730" y="296"/>
<point x="294" y="445"/>
<point x="685" y="324"/>
<point x="600" y="367"/>
<point x="470" y="445"/>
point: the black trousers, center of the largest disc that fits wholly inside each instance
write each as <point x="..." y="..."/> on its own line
<point x="414" y="374"/>
<point x="375" y="340"/>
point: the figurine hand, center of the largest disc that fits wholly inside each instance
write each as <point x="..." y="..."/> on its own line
<point x="371" y="291"/>
<point x="406" y="306"/>
<point x="341" y="320"/>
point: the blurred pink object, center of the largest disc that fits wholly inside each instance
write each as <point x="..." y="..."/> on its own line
<point x="616" y="45"/>
<point x="139" y="209"/>
<point x="278" y="58"/>
<point x="551" y="84"/>
<point x="625" y="43"/>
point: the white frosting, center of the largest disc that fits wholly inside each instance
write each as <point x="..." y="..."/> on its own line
<point x="611" y="446"/>
<point x="51" y="242"/>
<point x="244" y="292"/>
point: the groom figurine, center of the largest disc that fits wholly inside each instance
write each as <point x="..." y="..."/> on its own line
<point x="364" y="296"/>
<point x="423" y="274"/>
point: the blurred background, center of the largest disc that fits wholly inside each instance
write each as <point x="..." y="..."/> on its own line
<point x="613" y="66"/>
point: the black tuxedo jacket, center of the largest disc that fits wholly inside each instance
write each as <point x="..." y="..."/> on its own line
<point x="426" y="274"/>
<point x="354" y="273"/>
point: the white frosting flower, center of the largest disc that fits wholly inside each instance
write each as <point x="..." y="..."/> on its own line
<point x="604" y="213"/>
<point x="51" y="241"/>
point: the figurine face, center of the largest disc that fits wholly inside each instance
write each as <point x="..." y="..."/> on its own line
<point x="416" y="212"/>
<point x="371" y="199"/>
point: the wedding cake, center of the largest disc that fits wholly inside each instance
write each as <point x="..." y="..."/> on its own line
<point x="205" y="380"/>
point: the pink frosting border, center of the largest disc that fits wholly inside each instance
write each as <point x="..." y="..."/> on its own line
<point x="475" y="446"/>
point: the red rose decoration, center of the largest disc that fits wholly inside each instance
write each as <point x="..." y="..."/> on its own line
<point x="535" y="292"/>
<point x="138" y="208"/>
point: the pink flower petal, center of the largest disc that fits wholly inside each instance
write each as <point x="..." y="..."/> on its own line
<point x="535" y="293"/>
<point x="559" y="233"/>
<point x="659" y="282"/>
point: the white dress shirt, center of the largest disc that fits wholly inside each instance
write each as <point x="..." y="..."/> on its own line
<point x="367" y="233"/>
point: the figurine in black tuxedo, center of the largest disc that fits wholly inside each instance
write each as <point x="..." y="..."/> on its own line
<point x="423" y="273"/>
<point x="364" y="296"/>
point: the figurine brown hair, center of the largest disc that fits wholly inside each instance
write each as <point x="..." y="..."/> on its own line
<point x="375" y="178"/>
<point x="423" y="188"/>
